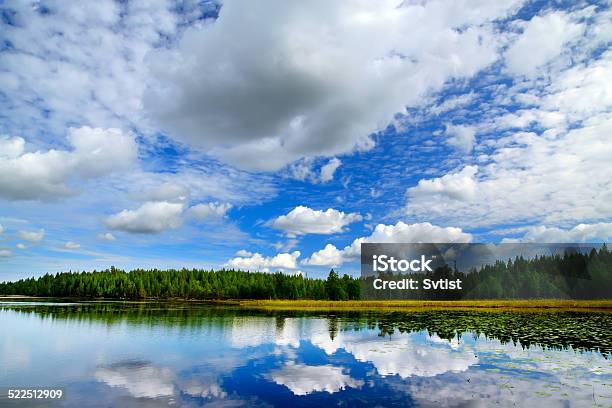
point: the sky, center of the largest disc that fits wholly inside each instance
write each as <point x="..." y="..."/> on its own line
<point x="277" y="135"/>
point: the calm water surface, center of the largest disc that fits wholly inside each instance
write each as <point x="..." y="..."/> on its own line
<point x="124" y="354"/>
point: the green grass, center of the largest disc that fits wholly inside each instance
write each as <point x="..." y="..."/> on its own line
<point x="418" y="304"/>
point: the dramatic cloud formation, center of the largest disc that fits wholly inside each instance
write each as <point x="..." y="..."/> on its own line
<point x="303" y="220"/>
<point x="274" y="94"/>
<point x="43" y="174"/>
<point x="150" y="218"/>
<point x="398" y="233"/>
<point x="239" y="124"/>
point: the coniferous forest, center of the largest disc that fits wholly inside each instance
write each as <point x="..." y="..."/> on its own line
<point x="572" y="275"/>
<point x="184" y="284"/>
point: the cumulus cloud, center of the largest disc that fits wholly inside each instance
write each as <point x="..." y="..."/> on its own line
<point x="304" y="379"/>
<point x="303" y="220"/>
<point x="32" y="236"/>
<point x="459" y="186"/>
<point x="542" y="40"/>
<point x="328" y="256"/>
<point x="244" y="253"/>
<point x="601" y="232"/>
<point x="149" y="218"/>
<point x="72" y="245"/>
<point x="258" y="262"/>
<point x="265" y="85"/>
<point x="209" y="211"/>
<point x="44" y="174"/>
<point x="5" y="253"/>
<point x="398" y="233"/>
<point x="107" y="236"/>
<point x="19" y="245"/>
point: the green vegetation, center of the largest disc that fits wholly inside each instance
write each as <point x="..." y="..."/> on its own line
<point x="184" y="284"/>
<point x="399" y="305"/>
<point x="572" y="275"/>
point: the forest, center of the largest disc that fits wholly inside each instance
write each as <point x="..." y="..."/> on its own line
<point x="185" y="284"/>
<point x="571" y="275"/>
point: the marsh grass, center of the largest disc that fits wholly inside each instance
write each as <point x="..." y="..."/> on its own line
<point x="536" y="304"/>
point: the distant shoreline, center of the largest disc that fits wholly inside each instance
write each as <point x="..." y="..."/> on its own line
<point x="543" y="304"/>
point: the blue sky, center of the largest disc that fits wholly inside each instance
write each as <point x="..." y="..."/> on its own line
<point x="279" y="136"/>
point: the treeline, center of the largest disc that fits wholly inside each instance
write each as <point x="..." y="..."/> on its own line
<point x="574" y="275"/>
<point x="184" y="284"/>
<point x="571" y="275"/>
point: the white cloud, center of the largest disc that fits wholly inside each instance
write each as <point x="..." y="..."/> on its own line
<point x="32" y="236"/>
<point x="329" y="76"/>
<point x="398" y="233"/>
<point x="542" y="40"/>
<point x="150" y="218"/>
<point x="44" y="174"/>
<point x="244" y="253"/>
<point x="72" y="245"/>
<point x="166" y="192"/>
<point x="11" y="147"/>
<point x="461" y="137"/>
<point x="5" y="253"/>
<point x="141" y="380"/>
<point x="304" y="170"/>
<point x="209" y="211"/>
<point x="303" y="220"/>
<point x="20" y="246"/>
<point x="601" y="232"/>
<point x="107" y="236"/>
<point x="459" y="186"/>
<point x="556" y="179"/>
<point x="328" y="170"/>
<point x="328" y="256"/>
<point x="257" y="262"/>
<point x="403" y="354"/>
<point x="51" y="77"/>
<point x="304" y="379"/>
<point x="1" y="229"/>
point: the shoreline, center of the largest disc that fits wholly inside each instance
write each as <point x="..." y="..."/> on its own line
<point x="344" y="305"/>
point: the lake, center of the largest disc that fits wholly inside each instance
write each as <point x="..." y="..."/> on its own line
<point x="118" y="354"/>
